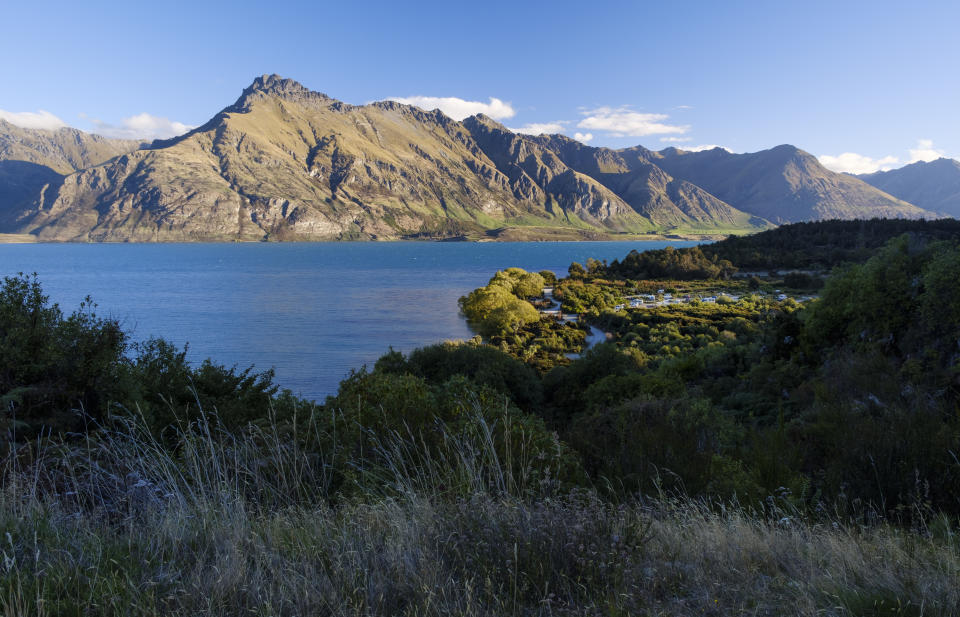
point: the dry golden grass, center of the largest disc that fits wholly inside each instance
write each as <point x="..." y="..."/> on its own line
<point x="243" y="525"/>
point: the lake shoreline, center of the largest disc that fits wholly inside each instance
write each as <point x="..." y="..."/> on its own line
<point x="290" y="305"/>
<point x="31" y="239"/>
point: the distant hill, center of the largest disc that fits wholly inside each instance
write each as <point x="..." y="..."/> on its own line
<point x="933" y="185"/>
<point x="32" y="159"/>
<point x="287" y="163"/>
<point x="63" y="150"/>
<point x="783" y="185"/>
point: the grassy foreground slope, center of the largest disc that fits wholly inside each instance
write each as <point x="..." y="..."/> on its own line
<point x="239" y="524"/>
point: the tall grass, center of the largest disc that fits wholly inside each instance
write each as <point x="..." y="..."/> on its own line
<point x="248" y="524"/>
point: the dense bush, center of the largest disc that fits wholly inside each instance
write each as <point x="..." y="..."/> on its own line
<point x="496" y="309"/>
<point x="168" y="391"/>
<point x="482" y="364"/>
<point x="370" y="408"/>
<point x="802" y="280"/>
<point x="55" y="368"/>
<point x="671" y="263"/>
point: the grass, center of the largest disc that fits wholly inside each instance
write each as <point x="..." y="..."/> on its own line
<point x="246" y="524"/>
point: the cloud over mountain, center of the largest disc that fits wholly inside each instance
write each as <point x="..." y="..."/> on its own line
<point x="704" y="148"/>
<point x="458" y="108"/>
<point x="141" y="126"/>
<point x="926" y="152"/>
<point x="624" y="122"/>
<point x="539" y="128"/>
<point x="33" y="119"/>
<point x="853" y="163"/>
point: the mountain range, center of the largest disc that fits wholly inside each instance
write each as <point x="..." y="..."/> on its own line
<point x="287" y="163"/>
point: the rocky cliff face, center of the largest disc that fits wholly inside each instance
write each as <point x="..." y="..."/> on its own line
<point x="285" y="163"/>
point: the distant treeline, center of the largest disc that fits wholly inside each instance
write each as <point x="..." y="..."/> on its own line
<point x="824" y="244"/>
<point x="820" y="245"/>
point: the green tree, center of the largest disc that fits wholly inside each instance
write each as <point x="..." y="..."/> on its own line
<point x="576" y="271"/>
<point x="549" y="277"/>
<point x="529" y="285"/>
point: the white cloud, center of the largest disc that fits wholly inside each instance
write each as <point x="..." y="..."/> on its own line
<point x="704" y="147"/>
<point x="583" y="137"/>
<point x="141" y="126"/>
<point x="853" y="163"/>
<point x="623" y="122"/>
<point x="32" y="119"/>
<point x="925" y="151"/>
<point x="457" y="108"/>
<point x="676" y="140"/>
<point x="539" y="128"/>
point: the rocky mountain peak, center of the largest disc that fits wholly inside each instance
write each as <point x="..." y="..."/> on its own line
<point x="484" y="121"/>
<point x="791" y="152"/>
<point x="944" y="163"/>
<point x="275" y="86"/>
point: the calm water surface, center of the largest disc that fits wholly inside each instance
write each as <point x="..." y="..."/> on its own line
<point x="312" y="311"/>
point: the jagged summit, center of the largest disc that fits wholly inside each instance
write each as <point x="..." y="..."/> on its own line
<point x="941" y="163"/>
<point x="485" y="121"/>
<point x="280" y="87"/>
<point x="276" y="85"/>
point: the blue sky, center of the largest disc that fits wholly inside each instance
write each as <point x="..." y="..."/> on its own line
<point x="876" y="82"/>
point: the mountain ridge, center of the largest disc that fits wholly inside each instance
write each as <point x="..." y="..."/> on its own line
<point x="283" y="162"/>
<point x="783" y="184"/>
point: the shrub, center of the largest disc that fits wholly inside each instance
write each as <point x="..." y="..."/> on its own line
<point x="55" y="368"/>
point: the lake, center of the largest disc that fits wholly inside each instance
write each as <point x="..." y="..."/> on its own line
<point x="312" y="311"/>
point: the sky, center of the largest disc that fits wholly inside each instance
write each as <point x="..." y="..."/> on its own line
<point x="861" y="85"/>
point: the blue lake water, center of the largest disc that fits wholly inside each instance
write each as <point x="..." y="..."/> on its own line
<point x="312" y="311"/>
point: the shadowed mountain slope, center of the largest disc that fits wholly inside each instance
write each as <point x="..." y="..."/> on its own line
<point x="783" y="184"/>
<point x="933" y="185"/>
<point x="34" y="161"/>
